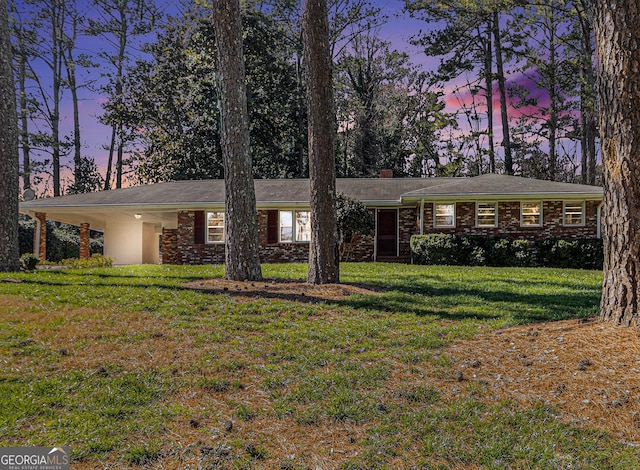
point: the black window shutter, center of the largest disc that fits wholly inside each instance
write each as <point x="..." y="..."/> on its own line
<point x="198" y="227"/>
<point x="272" y="226"/>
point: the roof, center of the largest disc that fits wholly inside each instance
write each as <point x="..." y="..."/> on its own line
<point x="158" y="203"/>
<point x="504" y="185"/>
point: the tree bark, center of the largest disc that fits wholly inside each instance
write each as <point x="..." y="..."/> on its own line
<point x="618" y="57"/>
<point x="488" y="77"/>
<point x="9" y="184"/>
<point x="323" y="249"/>
<point x="241" y="220"/>
<point x="502" y="89"/>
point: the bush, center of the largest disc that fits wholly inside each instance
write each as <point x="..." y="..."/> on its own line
<point x="63" y="241"/>
<point x="353" y="220"/>
<point x="96" y="261"/>
<point x="440" y="248"/>
<point x="28" y="262"/>
<point x="509" y="252"/>
<point x="450" y="249"/>
<point x="570" y="253"/>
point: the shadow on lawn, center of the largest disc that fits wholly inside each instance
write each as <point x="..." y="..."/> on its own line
<point x="425" y="298"/>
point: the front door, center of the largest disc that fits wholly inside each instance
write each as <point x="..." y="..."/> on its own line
<point x="387" y="233"/>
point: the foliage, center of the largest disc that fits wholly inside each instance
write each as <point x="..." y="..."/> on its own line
<point x="96" y="261"/>
<point x="353" y="220"/>
<point x="28" y="262"/>
<point x="170" y="101"/>
<point x="388" y="118"/>
<point x="440" y="248"/>
<point x="570" y="253"/>
<point x="63" y="240"/>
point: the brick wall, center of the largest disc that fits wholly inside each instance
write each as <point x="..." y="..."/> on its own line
<point x="509" y="222"/>
<point x="179" y="246"/>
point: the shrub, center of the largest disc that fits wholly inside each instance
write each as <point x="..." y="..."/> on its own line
<point x="353" y="220"/>
<point x="509" y="252"/>
<point x="570" y="253"/>
<point x="28" y="262"/>
<point x="96" y="261"/>
<point x="440" y="248"/>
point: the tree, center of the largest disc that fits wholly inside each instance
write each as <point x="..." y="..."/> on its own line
<point x="170" y="101"/>
<point x="353" y="220"/>
<point x="9" y="248"/>
<point x="323" y="249"/>
<point x="616" y="30"/>
<point x="119" y="22"/>
<point x="241" y="224"/>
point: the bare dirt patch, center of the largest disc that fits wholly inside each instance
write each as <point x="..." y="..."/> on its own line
<point x="281" y="289"/>
<point x="588" y="370"/>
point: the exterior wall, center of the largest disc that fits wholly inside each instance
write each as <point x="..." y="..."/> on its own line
<point x="150" y="244"/>
<point x="85" y="242"/>
<point x="123" y="242"/>
<point x="179" y="247"/>
<point x="188" y="252"/>
<point x="169" y="246"/>
<point x="509" y="222"/>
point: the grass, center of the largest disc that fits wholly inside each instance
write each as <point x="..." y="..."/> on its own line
<point x="127" y="366"/>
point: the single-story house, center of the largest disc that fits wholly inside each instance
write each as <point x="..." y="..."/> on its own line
<point x="182" y="222"/>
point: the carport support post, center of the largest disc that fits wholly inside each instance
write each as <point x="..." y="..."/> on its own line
<point x="40" y="236"/>
<point x="85" y="243"/>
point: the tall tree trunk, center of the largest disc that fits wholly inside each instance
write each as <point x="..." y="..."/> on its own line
<point x="56" y="59"/>
<point x="112" y="146"/>
<point x="241" y="220"/>
<point x="488" y="77"/>
<point x="70" y="65"/>
<point x="323" y="249"/>
<point x="502" y="89"/>
<point x="9" y="187"/>
<point x="553" y="99"/>
<point x="24" y="114"/>
<point x="616" y="28"/>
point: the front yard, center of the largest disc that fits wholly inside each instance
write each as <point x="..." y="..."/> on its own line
<point x="405" y="367"/>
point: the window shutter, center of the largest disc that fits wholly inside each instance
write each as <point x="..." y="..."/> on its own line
<point x="198" y="227"/>
<point x="272" y="226"/>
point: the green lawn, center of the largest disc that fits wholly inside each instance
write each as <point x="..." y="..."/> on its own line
<point x="129" y="367"/>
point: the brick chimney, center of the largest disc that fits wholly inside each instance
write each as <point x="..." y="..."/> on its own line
<point x="386" y="173"/>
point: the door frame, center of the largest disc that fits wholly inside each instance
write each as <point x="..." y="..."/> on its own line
<point x="397" y="224"/>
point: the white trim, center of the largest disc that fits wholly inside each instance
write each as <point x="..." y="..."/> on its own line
<point x="422" y="216"/>
<point x="540" y="205"/>
<point x="495" y="214"/>
<point x="583" y="215"/>
<point x="435" y="214"/>
<point x="293" y="226"/>
<point x="206" y="227"/>
<point x="599" y="221"/>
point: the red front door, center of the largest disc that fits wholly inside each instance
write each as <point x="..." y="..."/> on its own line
<point x="387" y="232"/>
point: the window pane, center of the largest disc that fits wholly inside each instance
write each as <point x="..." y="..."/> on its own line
<point x="215" y="227"/>
<point x="486" y="214"/>
<point x="286" y="226"/>
<point x="530" y="213"/>
<point x="303" y="226"/>
<point x="445" y="215"/>
<point x="573" y="213"/>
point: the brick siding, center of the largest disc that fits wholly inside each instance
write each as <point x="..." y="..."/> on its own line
<point x="179" y="246"/>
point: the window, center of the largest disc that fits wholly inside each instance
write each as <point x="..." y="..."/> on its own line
<point x="573" y="213"/>
<point x="295" y="226"/>
<point x="486" y="214"/>
<point x="531" y="213"/>
<point x="303" y="226"/>
<point x="215" y="227"/>
<point x="445" y="215"/>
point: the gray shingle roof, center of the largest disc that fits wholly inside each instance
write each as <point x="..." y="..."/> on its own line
<point x="502" y="185"/>
<point x="368" y="190"/>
